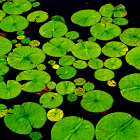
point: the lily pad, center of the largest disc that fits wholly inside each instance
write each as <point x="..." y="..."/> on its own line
<point x="104" y="74"/>
<point x="58" y="47"/>
<point x="106" y="31"/>
<point x="105" y="20"/>
<point x="71" y="128"/>
<point x="51" y="85"/>
<point x="66" y="72"/>
<point x="58" y="18"/>
<point x="72" y="35"/>
<point x="87" y="50"/>
<point x="91" y="39"/>
<point x="113" y="63"/>
<point x="2" y="14"/>
<point x="120" y="21"/>
<point x="3" y="69"/>
<point x="25" y="41"/>
<point x="79" y="91"/>
<point x="38" y="16"/>
<point x="1" y="78"/>
<point x="114" y="49"/>
<point x="3" y="110"/>
<point x="14" y="23"/>
<point x="118" y="125"/>
<point x="20" y="32"/>
<point x="130" y="87"/>
<point x="80" y="64"/>
<point x="66" y="60"/>
<point x="34" y="43"/>
<point x="79" y="81"/>
<point x="16" y="7"/>
<point x="41" y="67"/>
<point x="53" y="29"/>
<point x="36" y="136"/>
<point x="25" y="58"/>
<point x="95" y="63"/>
<point x="131" y="37"/>
<point x="36" y="4"/>
<point x="120" y="11"/>
<point x="88" y="86"/>
<point x="51" y="100"/>
<point x="86" y="18"/>
<point x="5" y="45"/>
<point x="23" y="117"/>
<point x="10" y="90"/>
<point x="65" y="87"/>
<point x="72" y="97"/>
<point x="37" y="80"/>
<point x="97" y="101"/>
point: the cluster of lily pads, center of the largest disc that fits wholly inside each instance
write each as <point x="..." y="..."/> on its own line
<point x="28" y="57"/>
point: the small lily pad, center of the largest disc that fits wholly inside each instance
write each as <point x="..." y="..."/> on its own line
<point x="91" y="39"/>
<point x="14" y="41"/>
<point x="51" y="100"/>
<point x="3" y="69"/>
<point x="41" y="67"/>
<point x="105" y="20"/>
<point x="3" y="110"/>
<point x="120" y="21"/>
<point x="88" y="86"/>
<point x="95" y="63"/>
<point x="35" y="4"/>
<point x="36" y="136"/>
<point x="34" y="43"/>
<point x="80" y="64"/>
<point x="111" y="83"/>
<point x="72" y="35"/>
<point x="79" y="81"/>
<point x="51" y="85"/>
<point x="104" y="74"/>
<point x="1" y="78"/>
<point x="97" y="101"/>
<point x="51" y="62"/>
<point x="20" y="32"/>
<point x="2" y="14"/>
<point x="3" y="59"/>
<point x="58" y="18"/>
<point x="79" y="91"/>
<point x="20" y="37"/>
<point x="120" y="11"/>
<point x="25" y="41"/>
<point x="72" y="97"/>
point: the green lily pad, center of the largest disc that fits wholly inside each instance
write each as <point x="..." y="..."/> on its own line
<point x="88" y="86"/>
<point x="65" y="87"/>
<point x="79" y="91"/>
<point x="66" y="60"/>
<point x="23" y="117"/>
<point x="131" y="37"/>
<point x="58" y="18"/>
<point x="36" y="4"/>
<point x="14" y="41"/>
<point x="58" y="47"/>
<point x="10" y="90"/>
<point x="118" y="125"/>
<point x="86" y="18"/>
<point x="38" y="16"/>
<point x="120" y="21"/>
<point x="2" y="14"/>
<point x="20" y="32"/>
<point x="14" y="23"/>
<point x="87" y="50"/>
<point x="5" y="45"/>
<point x="132" y="57"/>
<point x="34" y="43"/>
<point x="72" y="35"/>
<point x="95" y="63"/>
<point x="97" y="101"/>
<point x="25" y="58"/>
<point x="3" y="110"/>
<point x="36" y="136"/>
<point x="80" y="64"/>
<point x="114" y="49"/>
<point x="105" y="20"/>
<point x="1" y="78"/>
<point x="71" y="128"/>
<point x="130" y="87"/>
<point x="3" y="69"/>
<point x="25" y="41"/>
<point x="51" y="62"/>
<point x="104" y="74"/>
<point x="120" y="11"/>
<point x="51" y="100"/>
<point x="51" y="85"/>
<point x="66" y="72"/>
<point x="53" y="29"/>
<point x="80" y="40"/>
<point x="41" y="67"/>
<point x="16" y="7"/>
<point x="79" y="81"/>
<point x="91" y="39"/>
<point x="106" y="31"/>
<point x="72" y="97"/>
<point x="113" y="63"/>
<point x="37" y="80"/>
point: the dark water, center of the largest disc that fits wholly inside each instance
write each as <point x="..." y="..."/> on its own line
<point x="66" y="8"/>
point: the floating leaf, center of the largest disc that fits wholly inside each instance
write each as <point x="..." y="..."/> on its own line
<point x="58" y="47"/>
<point x="2" y="34"/>
<point x="111" y="83"/>
<point x="55" y="114"/>
<point x="35" y="136"/>
<point x="58" y="18"/>
<point x="36" y="4"/>
<point x="24" y="58"/>
<point x="86" y="18"/>
<point x="114" y="49"/>
<point x="14" y="23"/>
<point x="51" y="85"/>
<point x="87" y="50"/>
<point x="97" y="101"/>
<point x="51" y="100"/>
<point x="14" y="41"/>
<point x="79" y="91"/>
<point x="120" y="11"/>
<point x="106" y="31"/>
<point x="38" y="16"/>
<point x="34" y="43"/>
<point x="1" y="78"/>
<point x="3" y="110"/>
<point x="79" y="40"/>
<point x="23" y="117"/>
<point x="5" y="45"/>
<point x="131" y="37"/>
<point x="66" y="72"/>
<point x="130" y="87"/>
<point x="3" y="59"/>
<point x="41" y="67"/>
<point x="25" y="40"/>
<point x="91" y="39"/>
<point x="3" y="69"/>
<point x="118" y="125"/>
<point x="51" y="62"/>
<point x="79" y="81"/>
<point x="65" y="87"/>
<point x="16" y="7"/>
<point x="2" y="14"/>
<point x="88" y="86"/>
<point x="37" y="80"/>
<point x="53" y="29"/>
<point x="113" y="63"/>
<point x="20" y="32"/>
<point x="120" y="21"/>
<point x="95" y="63"/>
<point x="105" y="20"/>
<point x="72" y="97"/>
<point x="72" y="35"/>
<point x="66" y="60"/>
<point x="10" y="90"/>
<point x="104" y="74"/>
<point x="80" y="64"/>
<point x="18" y="45"/>
<point x="20" y="37"/>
